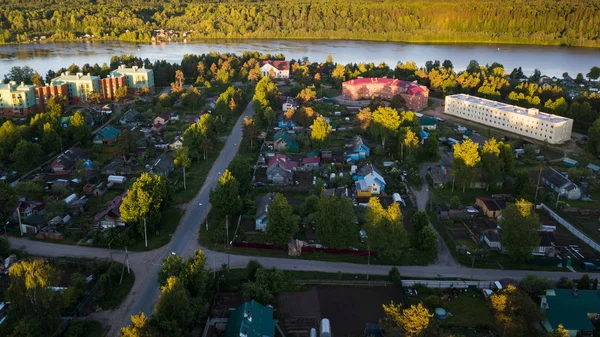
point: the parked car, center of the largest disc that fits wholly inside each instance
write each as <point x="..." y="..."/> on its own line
<point x="588" y="266"/>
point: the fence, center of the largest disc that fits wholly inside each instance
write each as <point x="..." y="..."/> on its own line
<point x="443" y="284"/>
<point x="305" y="249"/>
<point x="344" y="283"/>
<point x="572" y="229"/>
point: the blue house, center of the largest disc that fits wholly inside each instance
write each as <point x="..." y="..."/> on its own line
<point x="356" y="149"/>
<point x="369" y="181"/>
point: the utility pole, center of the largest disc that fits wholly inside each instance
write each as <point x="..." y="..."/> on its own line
<point x="145" y="234"/>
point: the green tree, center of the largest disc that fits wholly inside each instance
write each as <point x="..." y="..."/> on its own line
<point x="385" y="122"/>
<point x="196" y="133"/>
<point x="427" y="242"/>
<point x="520" y="226"/>
<point x="584" y="282"/>
<point x="419" y="221"/>
<point x="126" y="143"/>
<point x="27" y="189"/>
<point x="384" y="228"/>
<point x="320" y="131"/>
<point x="335" y="220"/>
<point x="26" y="155"/>
<point x="490" y="159"/>
<point x="466" y="158"/>
<point x="250" y="130"/>
<point x="593" y="144"/>
<point x="594" y="73"/>
<point x="8" y="200"/>
<point x="283" y="224"/>
<point x="240" y="168"/>
<point x="535" y="285"/>
<point x="524" y="185"/>
<point x="508" y="158"/>
<point x="192" y="97"/>
<point x="225" y="198"/>
<point x="172" y="266"/>
<point x="121" y="93"/>
<point x="37" y="80"/>
<point x="174" y="310"/>
<point x="182" y="158"/>
<point x="144" y="201"/>
<point x="397" y="102"/>
<point x="431" y="147"/>
<point x="20" y="74"/>
<point x="394" y="276"/>
<point x="267" y="283"/>
<point x="4" y="246"/>
<point x="79" y="128"/>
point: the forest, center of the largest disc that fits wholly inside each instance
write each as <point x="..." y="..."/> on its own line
<point x="543" y="22"/>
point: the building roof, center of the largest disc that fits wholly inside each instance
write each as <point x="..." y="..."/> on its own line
<point x="311" y="160"/>
<point x="285" y="136"/>
<point x="163" y="163"/>
<point x="290" y="100"/>
<point x="133" y="70"/>
<point x="68" y="77"/>
<point x="70" y="157"/>
<point x="283" y="161"/>
<point x="593" y="167"/>
<point x="278" y="64"/>
<point x="369" y="175"/>
<point x="493" y="204"/>
<point x="427" y="121"/>
<point x="411" y="88"/>
<point x="165" y="117"/>
<point x="492" y="235"/>
<point x="251" y="319"/>
<point x="278" y="168"/>
<point x="109" y="132"/>
<point x="557" y="179"/>
<point x="13" y="86"/>
<point x="355" y="144"/>
<point x="570" y="308"/>
<point x="112" y="208"/>
<point x="535" y="113"/>
<point x="131" y="116"/>
<point x="264" y="203"/>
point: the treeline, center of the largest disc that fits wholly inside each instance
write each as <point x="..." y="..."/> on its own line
<point x="573" y="23"/>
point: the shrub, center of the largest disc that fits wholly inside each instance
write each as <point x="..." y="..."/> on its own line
<point x="251" y="269"/>
<point x="432" y="302"/>
<point x="394" y="275"/>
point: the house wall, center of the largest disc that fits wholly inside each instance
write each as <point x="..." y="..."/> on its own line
<point x="17" y="99"/>
<point x="368" y="90"/>
<point x="78" y="86"/>
<point x="110" y="85"/>
<point x="526" y="122"/>
<point x="45" y="93"/>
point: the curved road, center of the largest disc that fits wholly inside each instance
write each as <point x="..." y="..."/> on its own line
<point x="146" y="265"/>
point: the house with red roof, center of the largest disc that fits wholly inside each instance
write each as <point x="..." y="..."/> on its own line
<point x="110" y="217"/>
<point x="275" y="68"/>
<point x="310" y="163"/>
<point x="491" y="206"/>
<point x="416" y="96"/>
<point x="162" y="119"/>
<point x="281" y="170"/>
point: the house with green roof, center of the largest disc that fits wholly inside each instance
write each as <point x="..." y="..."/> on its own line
<point x="251" y="319"/>
<point x="107" y="136"/>
<point x="284" y="141"/>
<point x="428" y="123"/>
<point x="572" y="308"/>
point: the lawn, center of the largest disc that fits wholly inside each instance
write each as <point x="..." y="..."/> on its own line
<point x="118" y="294"/>
<point x="470" y="309"/>
<point x="170" y="220"/>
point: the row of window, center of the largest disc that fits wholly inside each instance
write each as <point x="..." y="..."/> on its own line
<point x="515" y="128"/>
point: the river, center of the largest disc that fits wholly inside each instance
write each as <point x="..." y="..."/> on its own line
<point x="551" y="60"/>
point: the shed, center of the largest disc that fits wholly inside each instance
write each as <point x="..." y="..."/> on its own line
<point x="251" y="319"/>
<point x="594" y="168"/>
<point x="568" y="162"/>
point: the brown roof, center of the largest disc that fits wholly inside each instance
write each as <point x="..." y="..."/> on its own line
<point x="279" y="64"/>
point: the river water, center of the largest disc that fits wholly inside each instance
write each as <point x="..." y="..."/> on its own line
<point x="551" y="60"/>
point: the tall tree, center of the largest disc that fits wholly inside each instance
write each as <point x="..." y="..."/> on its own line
<point x="384" y="228"/>
<point x="508" y="157"/>
<point x="320" y="131"/>
<point x="490" y="159"/>
<point x="182" y="158"/>
<point x="385" y="123"/>
<point x="283" y="224"/>
<point x="26" y="155"/>
<point x="335" y="221"/>
<point x="174" y="310"/>
<point x="593" y="144"/>
<point x="411" y="321"/>
<point x="126" y="143"/>
<point x="121" y="93"/>
<point x="363" y="119"/>
<point x="79" y="128"/>
<point x="225" y="197"/>
<point x="240" y="167"/>
<point x="306" y="95"/>
<point x="195" y="134"/>
<point x="8" y="199"/>
<point x="250" y="130"/>
<point x="410" y="142"/>
<point x="520" y="230"/>
<point x="144" y="201"/>
<point x="466" y="158"/>
<point x="139" y="327"/>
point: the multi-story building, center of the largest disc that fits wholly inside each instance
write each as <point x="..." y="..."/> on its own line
<point x="525" y="122"/>
<point x="17" y="99"/>
<point x="79" y="86"/>
<point x="110" y="85"/>
<point x="416" y="96"/>
<point x="44" y="93"/>
<point x="135" y="78"/>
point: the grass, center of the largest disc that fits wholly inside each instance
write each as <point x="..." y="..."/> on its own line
<point x="87" y="328"/>
<point x="469" y="310"/>
<point x="171" y="217"/>
<point x="120" y="292"/>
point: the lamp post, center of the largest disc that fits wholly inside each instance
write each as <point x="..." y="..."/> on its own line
<point x="472" y="263"/>
<point x="205" y="215"/>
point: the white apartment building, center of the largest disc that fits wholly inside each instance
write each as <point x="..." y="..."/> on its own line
<point x="529" y="123"/>
<point x="79" y="85"/>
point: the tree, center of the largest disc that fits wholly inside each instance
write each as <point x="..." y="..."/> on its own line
<point x="524" y="185"/>
<point x="37" y="79"/>
<point x="94" y="96"/>
<point x="144" y="200"/>
<point x="385" y="123"/>
<point x="560" y="331"/>
<point x="26" y="155"/>
<point x="397" y="102"/>
<point x="306" y="95"/>
<point x="139" y="327"/>
<point x="384" y="228"/>
<point x="515" y="312"/>
<point x="534" y="285"/>
<point x="584" y="282"/>
<point x="339" y="74"/>
<point x="447" y="64"/>
<point x="173" y="310"/>
<point x="394" y="276"/>
<point x="51" y="140"/>
<point x="594" y="73"/>
<point x="240" y="168"/>
<point x="81" y="131"/>
<point x="20" y="74"/>
<point x="427" y="242"/>
<point x="121" y="93"/>
<point x="490" y="159"/>
<point x="182" y="158"/>
<point x="251" y="268"/>
<point x="320" y="130"/>
<point x="520" y="226"/>
<point x="412" y="321"/>
<point x="250" y="130"/>
<point x="336" y="226"/>
<point x="363" y="119"/>
<point x="579" y="78"/>
<point x="410" y="142"/>
<point x="283" y="224"/>
<point x="267" y="283"/>
<point x="4" y="246"/>
<point x="126" y="143"/>
<point x="419" y="221"/>
<point x="206" y="146"/>
<point x="225" y="198"/>
<point x="593" y="144"/>
<point x="508" y="158"/>
<point x="195" y="134"/>
<point x="27" y="189"/>
<point x="466" y="158"/>
<point x="431" y="147"/>
<point x="30" y="295"/>
<point x="191" y="97"/>
<point x="177" y="86"/>
<point x="8" y="200"/>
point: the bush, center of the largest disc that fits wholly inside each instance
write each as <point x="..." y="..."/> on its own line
<point x="432" y="302"/>
<point x="251" y="269"/>
<point x="394" y="276"/>
<point x="535" y="285"/>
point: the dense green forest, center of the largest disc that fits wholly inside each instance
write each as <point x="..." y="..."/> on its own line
<point x="573" y="23"/>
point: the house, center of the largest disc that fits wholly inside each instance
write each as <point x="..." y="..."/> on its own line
<point x="65" y="163"/>
<point x="158" y="128"/>
<point x="492" y="207"/>
<point x="415" y="96"/>
<point x="594" y="168"/>
<point x="492" y="238"/>
<point x="573" y="308"/>
<point x="326" y="155"/>
<point x="289" y="103"/>
<point x="283" y="141"/>
<point x="568" y="162"/>
<point x="557" y="182"/>
<point x="340" y="192"/>
<point x="163" y="165"/>
<point x="111" y="216"/>
<point x="131" y="118"/>
<point x="177" y="143"/>
<point x="261" y="211"/>
<point x="107" y="136"/>
<point x="356" y="149"/>
<point x="440" y="175"/>
<point x="428" y="123"/>
<point x="116" y="167"/>
<point x="162" y="119"/>
<point x="275" y="68"/>
<point x="99" y="190"/>
<point x="29" y="208"/>
<point x="251" y="319"/>
<point x="310" y="163"/>
<point x="280" y="170"/>
<point x="88" y="189"/>
<point x="286" y="123"/>
<point x="369" y="181"/>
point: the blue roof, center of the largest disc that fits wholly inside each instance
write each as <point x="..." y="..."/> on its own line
<point x="109" y="133"/>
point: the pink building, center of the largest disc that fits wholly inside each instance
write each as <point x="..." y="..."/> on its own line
<point x="415" y="95"/>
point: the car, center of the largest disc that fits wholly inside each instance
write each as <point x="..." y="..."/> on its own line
<point x="588" y="266"/>
<point x="258" y="184"/>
